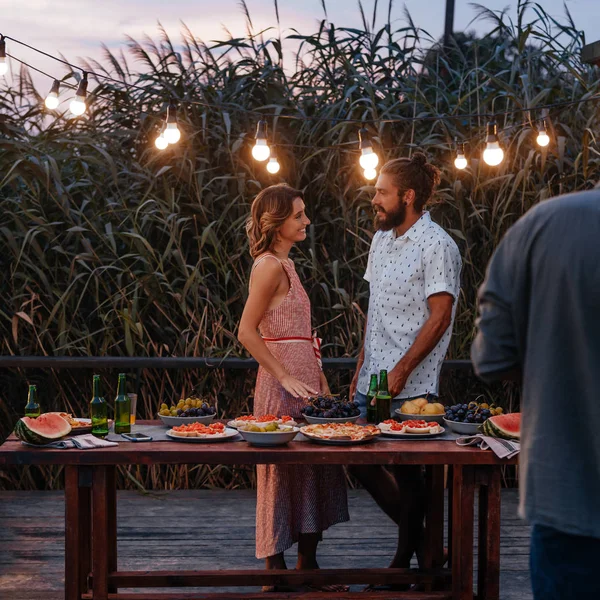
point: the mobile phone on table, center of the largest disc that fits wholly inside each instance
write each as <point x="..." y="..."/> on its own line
<point x="137" y="437"/>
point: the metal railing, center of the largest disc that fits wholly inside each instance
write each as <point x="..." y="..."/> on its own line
<point x="173" y="362"/>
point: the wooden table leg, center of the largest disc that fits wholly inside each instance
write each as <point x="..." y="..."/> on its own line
<point x="85" y="524"/>
<point x="463" y="495"/>
<point x="77" y="531"/>
<point x="100" y="534"/>
<point x="111" y="504"/>
<point x="72" y="566"/>
<point x="433" y="554"/>
<point x="488" y="578"/>
<point x="450" y="483"/>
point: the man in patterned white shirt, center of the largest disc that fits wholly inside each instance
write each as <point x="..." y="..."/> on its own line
<point x="414" y="277"/>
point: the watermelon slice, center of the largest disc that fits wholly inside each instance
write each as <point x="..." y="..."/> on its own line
<point x="504" y="426"/>
<point x="44" y="429"/>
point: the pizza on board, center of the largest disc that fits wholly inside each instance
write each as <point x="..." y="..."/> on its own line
<point x="333" y="431"/>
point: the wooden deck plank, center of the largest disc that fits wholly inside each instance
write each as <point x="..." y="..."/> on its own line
<point x="32" y="524"/>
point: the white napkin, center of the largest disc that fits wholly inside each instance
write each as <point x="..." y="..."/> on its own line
<point x="83" y="442"/>
<point x="501" y="448"/>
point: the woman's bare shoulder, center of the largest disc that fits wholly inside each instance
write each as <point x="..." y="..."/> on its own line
<point x="267" y="268"/>
<point x="267" y="263"/>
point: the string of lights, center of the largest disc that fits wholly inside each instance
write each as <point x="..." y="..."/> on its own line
<point x="235" y="107"/>
<point x="52" y="100"/>
<point x="262" y="151"/>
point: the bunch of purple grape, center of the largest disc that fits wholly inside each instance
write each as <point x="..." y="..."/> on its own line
<point x="202" y="411"/>
<point x="330" y="407"/>
<point x="468" y="413"/>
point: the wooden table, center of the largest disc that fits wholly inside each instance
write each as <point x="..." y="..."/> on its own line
<point x="91" y="524"/>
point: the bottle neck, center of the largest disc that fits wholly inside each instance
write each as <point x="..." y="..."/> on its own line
<point x="383" y="384"/>
<point x="122" y="389"/>
<point x="373" y="385"/>
<point x="32" y="396"/>
<point x="96" y="392"/>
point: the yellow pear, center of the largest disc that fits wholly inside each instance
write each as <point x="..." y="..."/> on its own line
<point x="410" y="408"/>
<point x="433" y="409"/>
<point x="420" y="402"/>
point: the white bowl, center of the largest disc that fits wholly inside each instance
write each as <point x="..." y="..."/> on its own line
<point x="427" y="418"/>
<point x="466" y="428"/>
<point x="268" y="438"/>
<point x="175" y="421"/>
<point x="317" y="420"/>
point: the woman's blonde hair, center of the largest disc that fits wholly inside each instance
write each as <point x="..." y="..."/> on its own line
<point x="271" y="207"/>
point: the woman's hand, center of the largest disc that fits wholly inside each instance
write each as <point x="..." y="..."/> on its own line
<point x="325" y="391"/>
<point x="296" y="388"/>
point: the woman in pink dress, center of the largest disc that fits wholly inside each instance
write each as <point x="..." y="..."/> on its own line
<point x="295" y="503"/>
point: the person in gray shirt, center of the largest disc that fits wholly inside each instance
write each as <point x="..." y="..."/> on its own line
<point x="540" y="323"/>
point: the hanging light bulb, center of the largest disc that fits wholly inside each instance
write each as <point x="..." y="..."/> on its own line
<point x="368" y="159"/>
<point x="171" y="132"/>
<point x="370" y="174"/>
<point x="273" y="165"/>
<point x="261" y="150"/>
<point x="460" y="162"/>
<point x="160" y="142"/>
<point x="3" y="63"/>
<point x="493" y="154"/>
<point x="543" y="139"/>
<point x="77" y="106"/>
<point x="51" y="100"/>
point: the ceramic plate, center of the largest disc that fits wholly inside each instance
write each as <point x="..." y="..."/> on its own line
<point x="229" y="435"/>
<point x="412" y="436"/>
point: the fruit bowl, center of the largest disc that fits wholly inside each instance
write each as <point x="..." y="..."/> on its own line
<point x="465" y="428"/>
<point x="415" y="411"/>
<point x="469" y="418"/>
<point x="175" y="421"/>
<point x="269" y="438"/>
<point x="317" y="420"/>
<point x="420" y="417"/>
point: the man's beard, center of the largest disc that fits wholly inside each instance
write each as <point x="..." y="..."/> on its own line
<point x="384" y="221"/>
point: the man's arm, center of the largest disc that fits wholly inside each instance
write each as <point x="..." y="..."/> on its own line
<point x="495" y="352"/>
<point x="440" y="317"/>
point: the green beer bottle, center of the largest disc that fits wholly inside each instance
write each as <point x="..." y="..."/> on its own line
<point x="98" y="412"/>
<point x="122" y="407"/>
<point x="383" y="400"/>
<point x="371" y="394"/>
<point x="32" y="408"/>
